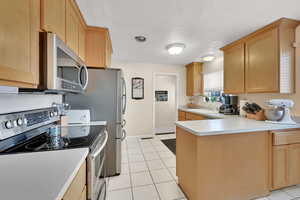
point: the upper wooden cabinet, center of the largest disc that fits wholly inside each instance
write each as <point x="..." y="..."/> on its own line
<point x="234" y="71"/>
<point x="194" y="79"/>
<point x="53" y="17"/>
<point x="98" y="47"/>
<point x="64" y="18"/>
<point x="263" y="60"/>
<point x="19" y="42"/>
<point x="72" y="27"/>
<point x="81" y="41"/>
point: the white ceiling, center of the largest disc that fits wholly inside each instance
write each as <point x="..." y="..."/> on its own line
<point x="203" y="25"/>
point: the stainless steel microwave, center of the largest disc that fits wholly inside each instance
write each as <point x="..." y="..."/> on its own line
<point x="62" y="69"/>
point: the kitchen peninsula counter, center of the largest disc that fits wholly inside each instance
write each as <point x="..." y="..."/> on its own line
<point x="230" y="125"/>
<point x="226" y="159"/>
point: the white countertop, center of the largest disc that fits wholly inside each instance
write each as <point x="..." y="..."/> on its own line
<point x="226" y="124"/>
<point x="205" y="112"/>
<point x="39" y="176"/>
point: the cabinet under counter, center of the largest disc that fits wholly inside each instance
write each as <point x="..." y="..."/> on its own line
<point x="223" y="167"/>
<point x="240" y="158"/>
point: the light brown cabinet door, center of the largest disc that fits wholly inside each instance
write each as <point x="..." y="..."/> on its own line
<point x="19" y="43"/>
<point x="192" y="116"/>
<point x="194" y="79"/>
<point x="83" y="194"/>
<point x="181" y="115"/>
<point x="293" y="164"/>
<point x="286" y="165"/>
<point x="77" y="186"/>
<point x="108" y="50"/>
<point x="72" y="27"/>
<point x="234" y="69"/>
<point x="81" y="44"/>
<point x="262" y="62"/>
<point x="279" y="166"/>
<point x="98" y="47"/>
<point x="53" y="17"/>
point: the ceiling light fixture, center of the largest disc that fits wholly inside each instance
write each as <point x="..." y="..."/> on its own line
<point x="140" y="38"/>
<point x="175" y="48"/>
<point x="208" y="58"/>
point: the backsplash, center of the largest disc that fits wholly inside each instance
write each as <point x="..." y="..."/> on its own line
<point x="19" y="102"/>
<point x="262" y="98"/>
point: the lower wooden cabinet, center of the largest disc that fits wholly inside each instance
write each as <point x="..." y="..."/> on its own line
<point x="83" y="194"/>
<point x="181" y="115"/>
<point x="285" y="160"/>
<point x="279" y="167"/>
<point x="186" y="116"/>
<point x="293" y="164"/>
<point x="192" y="116"/>
<point x="77" y="189"/>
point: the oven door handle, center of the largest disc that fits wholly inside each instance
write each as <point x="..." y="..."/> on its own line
<point x="104" y="187"/>
<point x="96" y="153"/>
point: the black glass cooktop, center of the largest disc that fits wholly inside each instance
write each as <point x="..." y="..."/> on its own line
<point x="54" y="138"/>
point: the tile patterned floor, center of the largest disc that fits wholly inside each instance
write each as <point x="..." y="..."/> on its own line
<point x="149" y="173"/>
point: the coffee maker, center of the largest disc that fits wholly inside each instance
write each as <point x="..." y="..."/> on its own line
<point x="229" y="105"/>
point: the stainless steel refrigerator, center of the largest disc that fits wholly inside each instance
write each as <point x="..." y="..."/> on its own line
<point x="105" y="96"/>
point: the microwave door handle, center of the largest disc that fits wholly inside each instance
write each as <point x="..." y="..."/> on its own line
<point x="81" y="69"/>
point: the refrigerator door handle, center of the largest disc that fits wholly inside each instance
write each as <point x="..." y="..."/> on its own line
<point x="124" y="134"/>
<point x="124" y="96"/>
<point x="123" y="123"/>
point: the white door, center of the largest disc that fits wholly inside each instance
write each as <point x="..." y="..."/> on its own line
<point x="165" y="103"/>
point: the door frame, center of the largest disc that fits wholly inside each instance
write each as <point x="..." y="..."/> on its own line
<point x="155" y="74"/>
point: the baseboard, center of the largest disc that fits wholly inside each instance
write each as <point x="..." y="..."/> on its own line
<point x="165" y="130"/>
<point x="139" y="136"/>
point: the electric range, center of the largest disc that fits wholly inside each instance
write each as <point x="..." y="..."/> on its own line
<point x="38" y="130"/>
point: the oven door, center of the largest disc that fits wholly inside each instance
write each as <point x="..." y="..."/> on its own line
<point x="96" y="172"/>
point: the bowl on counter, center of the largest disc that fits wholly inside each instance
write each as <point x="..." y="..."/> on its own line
<point x="274" y="113"/>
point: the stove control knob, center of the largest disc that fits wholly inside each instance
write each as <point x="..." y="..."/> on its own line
<point x="20" y="122"/>
<point x="8" y="125"/>
<point x="25" y="121"/>
<point x="55" y="113"/>
<point x="15" y="123"/>
<point x="51" y="114"/>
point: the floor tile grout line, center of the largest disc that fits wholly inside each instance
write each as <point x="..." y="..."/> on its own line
<point x="148" y="170"/>
<point x="153" y="180"/>
<point x="129" y="173"/>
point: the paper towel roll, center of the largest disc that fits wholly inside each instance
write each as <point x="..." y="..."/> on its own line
<point x="242" y="112"/>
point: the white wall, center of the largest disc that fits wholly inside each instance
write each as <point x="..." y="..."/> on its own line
<point x="140" y="113"/>
<point x="165" y="111"/>
<point x="213" y="74"/>
<point x="20" y="102"/>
